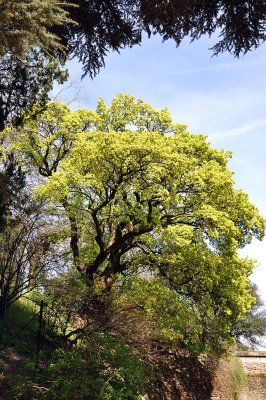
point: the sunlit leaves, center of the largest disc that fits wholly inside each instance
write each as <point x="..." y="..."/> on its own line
<point x="145" y="197"/>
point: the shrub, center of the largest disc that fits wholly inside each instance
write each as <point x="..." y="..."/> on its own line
<point x="102" y="368"/>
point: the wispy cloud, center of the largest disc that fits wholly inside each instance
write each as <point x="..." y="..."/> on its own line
<point x="247" y="128"/>
<point x="223" y="66"/>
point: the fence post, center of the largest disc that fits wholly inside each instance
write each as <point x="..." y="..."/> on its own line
<point x="39" y="335"/>
<point x="3" y="316"/>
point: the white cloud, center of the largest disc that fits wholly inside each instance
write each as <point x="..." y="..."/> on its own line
<point x="247" y="128"/>
<point x="236" y="64"/>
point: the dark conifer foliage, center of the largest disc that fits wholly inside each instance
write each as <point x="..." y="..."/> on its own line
<point x="110" y="25"/>
<point x="12" y="181"/>
<point x="89" y="29"/>
<point x="22" y="84"/>
<point x="25" y="82"/>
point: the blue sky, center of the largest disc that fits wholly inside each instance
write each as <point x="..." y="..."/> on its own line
<point x="222" y="97"/>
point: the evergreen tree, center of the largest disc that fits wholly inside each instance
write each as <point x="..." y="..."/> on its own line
<point x="12" y="181"/>
<point x="103" y="25"/>
<point x="23" y="83"/>
<point x="25" y="24"/>
<point x="89" y="29"/>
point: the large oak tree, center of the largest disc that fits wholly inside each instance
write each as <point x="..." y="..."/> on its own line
<point x="143" y="197"/>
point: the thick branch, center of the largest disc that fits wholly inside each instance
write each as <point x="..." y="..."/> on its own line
<point x="74" y="241"/>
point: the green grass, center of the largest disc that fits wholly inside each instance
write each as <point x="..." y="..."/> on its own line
<point x="239" y="379"/>
<point x="19" y="351"/>
<point x="20" y="329"/>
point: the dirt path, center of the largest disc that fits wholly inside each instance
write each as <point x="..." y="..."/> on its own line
<point x="255" y="368"/>
<point x="256" y="388"/>
<point x="11" y="365"/>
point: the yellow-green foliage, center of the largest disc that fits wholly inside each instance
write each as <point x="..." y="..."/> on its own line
<point x="148" y="198"/>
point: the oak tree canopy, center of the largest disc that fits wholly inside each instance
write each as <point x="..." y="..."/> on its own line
<point x="142" y="197"/>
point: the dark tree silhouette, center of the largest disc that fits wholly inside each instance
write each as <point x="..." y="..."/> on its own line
<point x="107" y="25"/>
<point x="25" y="82"/>
<point x="89" y="29"/>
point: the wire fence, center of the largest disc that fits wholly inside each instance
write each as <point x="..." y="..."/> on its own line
<point x="36" y="316"/>
<point x="50" y="322"/>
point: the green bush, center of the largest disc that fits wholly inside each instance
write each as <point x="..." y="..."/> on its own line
<point x="102" y="368"/>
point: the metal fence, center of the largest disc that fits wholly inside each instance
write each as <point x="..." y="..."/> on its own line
<point x="37" y="316"/>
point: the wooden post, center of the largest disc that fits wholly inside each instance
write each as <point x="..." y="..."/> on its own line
<point x="3" y="316"/>
<point x="39" y="336"/>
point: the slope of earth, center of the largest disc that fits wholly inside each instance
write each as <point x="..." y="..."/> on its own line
<point x="180" y="375"/>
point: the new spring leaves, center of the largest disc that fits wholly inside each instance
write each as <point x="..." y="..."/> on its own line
<point x="140" y="193"/>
